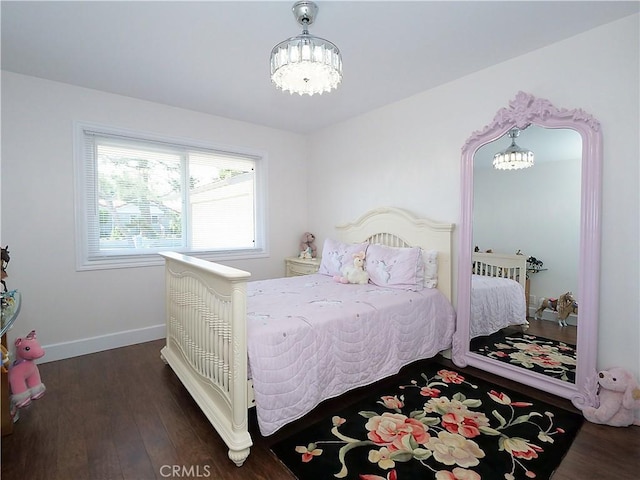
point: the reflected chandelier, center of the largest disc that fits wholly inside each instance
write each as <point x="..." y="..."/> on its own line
<point x="306" y="64"/>
<point x="514" y="157"/>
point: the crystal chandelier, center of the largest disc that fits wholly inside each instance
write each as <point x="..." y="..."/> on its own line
<point x="514" y="157"/>
<point x="306" y="64"/>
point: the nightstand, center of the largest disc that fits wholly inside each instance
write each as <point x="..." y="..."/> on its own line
<point x="301" y="266"/>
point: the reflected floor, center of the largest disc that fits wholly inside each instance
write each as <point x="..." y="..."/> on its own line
<point x="545" y="347"/>
<point x="545" y="329"/>
<point x="552" y="331"/>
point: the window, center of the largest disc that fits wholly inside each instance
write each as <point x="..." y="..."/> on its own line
<point x="137" y="195"/>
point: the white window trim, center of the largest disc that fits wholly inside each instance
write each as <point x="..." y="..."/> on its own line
<point x="153" y="259"/>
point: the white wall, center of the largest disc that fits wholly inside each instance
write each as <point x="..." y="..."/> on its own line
<point x="408" y="155"/>
<point x="78" y="312"/>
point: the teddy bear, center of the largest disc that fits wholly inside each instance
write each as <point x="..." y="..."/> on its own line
<point x="618" y="395"/>
<point x="24" y="376"/>
<point x="354" y="273"/>
<point x="308" y="247"/>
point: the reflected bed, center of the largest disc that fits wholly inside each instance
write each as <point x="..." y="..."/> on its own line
<point x="497" y="293"/>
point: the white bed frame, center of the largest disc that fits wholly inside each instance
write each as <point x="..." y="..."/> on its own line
<point x="501" y="265"/>
<point x="206" y="306"/>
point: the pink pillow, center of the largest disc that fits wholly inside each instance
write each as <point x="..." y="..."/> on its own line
<point x="336" y="255"/>
<point x="394" y="267"/>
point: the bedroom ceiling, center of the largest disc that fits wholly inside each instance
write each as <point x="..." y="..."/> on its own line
<point x="213" y="56"/>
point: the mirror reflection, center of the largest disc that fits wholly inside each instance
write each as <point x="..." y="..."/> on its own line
<point x="526" y="226"/>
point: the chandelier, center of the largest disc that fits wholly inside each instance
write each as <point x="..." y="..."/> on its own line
<point x="306" y="64"/>
<point x="514" y="157"/>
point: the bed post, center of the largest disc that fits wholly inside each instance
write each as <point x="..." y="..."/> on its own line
<point x="206" y="306"/>
<point x="239" y="452"/>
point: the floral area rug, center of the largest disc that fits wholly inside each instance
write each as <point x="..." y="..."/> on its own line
<point x="549" y="357"/>
<point x="436" y="423"/>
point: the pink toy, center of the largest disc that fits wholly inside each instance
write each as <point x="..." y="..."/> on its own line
<point x="24" y="376"/>
<point x="619" y="396"/>
<point x="354" y="273"/>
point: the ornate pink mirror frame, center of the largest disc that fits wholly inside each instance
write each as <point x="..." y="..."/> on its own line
<point x="523" y="111"/>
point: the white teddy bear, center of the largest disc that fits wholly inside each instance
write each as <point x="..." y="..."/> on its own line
<point x="354" y="273"/>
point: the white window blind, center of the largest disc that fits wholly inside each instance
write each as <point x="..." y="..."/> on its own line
<point x="137" y="195"/>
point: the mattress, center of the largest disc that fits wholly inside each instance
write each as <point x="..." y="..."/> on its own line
<point x="311" y="338"/>
<point x="496" y="303"/>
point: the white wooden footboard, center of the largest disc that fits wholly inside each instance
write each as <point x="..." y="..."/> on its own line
<point x="206" y="346"/>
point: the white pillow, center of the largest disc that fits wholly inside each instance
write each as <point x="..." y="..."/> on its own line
<point x="395" y="267"/>
<point x="336" y="255"/>
<point x="430" y="259"/>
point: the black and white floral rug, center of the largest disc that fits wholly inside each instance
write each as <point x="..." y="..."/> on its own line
<point x="543" y="355"/>
<point x="435" y="423"/>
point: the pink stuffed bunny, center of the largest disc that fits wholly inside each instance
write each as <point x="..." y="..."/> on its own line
<point x="619" y="396"/>
<point x="24" y="376"/>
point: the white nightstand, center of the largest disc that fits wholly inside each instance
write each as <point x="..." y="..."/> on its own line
<point x="301" y="266"/>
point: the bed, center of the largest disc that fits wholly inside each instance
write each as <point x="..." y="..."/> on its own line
<point x="497" y="293"/>
<point x="220" y="326"/>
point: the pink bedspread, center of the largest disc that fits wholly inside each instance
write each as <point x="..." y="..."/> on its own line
<point x="310" y="338"/>
<point x="496" y="303"/>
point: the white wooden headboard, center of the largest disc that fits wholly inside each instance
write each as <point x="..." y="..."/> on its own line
<point x="398" y="228"/>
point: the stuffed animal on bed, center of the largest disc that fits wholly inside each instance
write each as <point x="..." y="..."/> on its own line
<point x="619" y="397"/>
<point x="308" y="247"/>
<point x="354" y="273"/>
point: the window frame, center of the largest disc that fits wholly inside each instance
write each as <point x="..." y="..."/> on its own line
<point x="82" y="168"/>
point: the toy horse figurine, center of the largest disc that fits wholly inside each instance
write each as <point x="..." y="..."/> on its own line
<point x="564" y="306"/>
<point x="24" y="376"/>
<point x="5" y="262"/>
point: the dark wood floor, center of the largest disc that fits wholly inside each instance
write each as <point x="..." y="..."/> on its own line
<point x="123" y="414"/>
<point x="553" y="331"/>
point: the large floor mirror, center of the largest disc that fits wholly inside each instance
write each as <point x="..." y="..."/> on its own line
<point x="528" y="276"/>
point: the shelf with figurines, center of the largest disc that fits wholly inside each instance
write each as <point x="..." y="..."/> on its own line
<point x="10" y="298"/>
<point x="11" y="301"/>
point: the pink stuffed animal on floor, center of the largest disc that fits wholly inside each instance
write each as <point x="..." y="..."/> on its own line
<point x="619" y="397"/>
<point x="24" y="376"/>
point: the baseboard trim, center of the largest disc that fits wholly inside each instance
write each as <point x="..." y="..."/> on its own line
<point x="552" y="316"/>
<point x="85" y="346"/>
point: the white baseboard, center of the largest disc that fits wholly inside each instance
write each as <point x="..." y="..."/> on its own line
<point x="552" y="316"/>
<point x="60" y="351"/>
